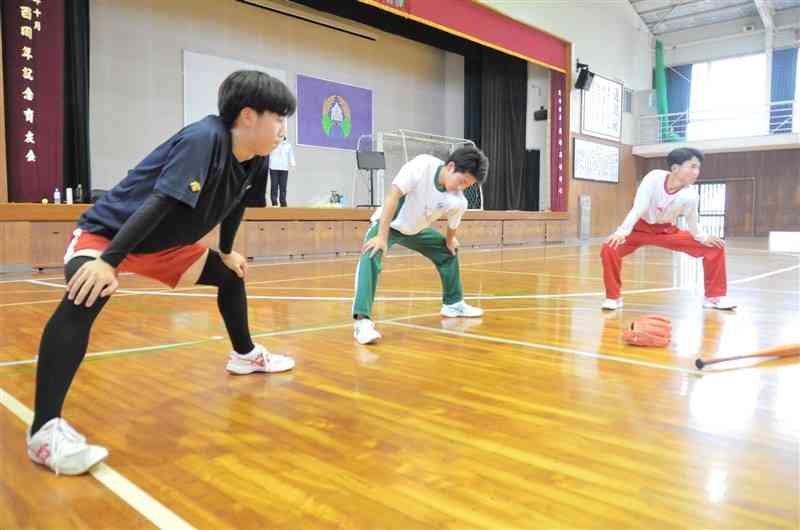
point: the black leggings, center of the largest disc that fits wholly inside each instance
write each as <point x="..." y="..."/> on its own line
<point x="66" y="335"/>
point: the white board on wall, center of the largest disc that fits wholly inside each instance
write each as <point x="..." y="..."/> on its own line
<point x="601" y="109"/>
<point x="595" y="161"/>
<point x="202" y="75"/>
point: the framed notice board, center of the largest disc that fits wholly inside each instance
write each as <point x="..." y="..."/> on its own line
<point x="595" y="161"/>
<point x="601" y="109"/>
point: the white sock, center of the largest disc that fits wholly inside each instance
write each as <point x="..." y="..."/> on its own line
<point x="246" y="354"/>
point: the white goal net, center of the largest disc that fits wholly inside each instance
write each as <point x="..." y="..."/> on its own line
<point x="400" y="146"/>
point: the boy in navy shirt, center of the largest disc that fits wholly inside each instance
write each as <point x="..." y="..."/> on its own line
<point x="150" y="224"/>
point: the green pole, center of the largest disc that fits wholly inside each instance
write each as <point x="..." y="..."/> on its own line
<point x="661" y="94"/>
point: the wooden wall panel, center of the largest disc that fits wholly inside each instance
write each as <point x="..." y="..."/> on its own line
<point x="353" y="233"/>
<point x="71" y="212"/>
<point x="266" y="239"/>
<point x="211" y="240"/>
<point x="522" y="232"/>
<point x="555" y="231"/>
<point x="740" y="208"/>
<point x="777" y="182"/>
<point x="49" y="243"/>
<point x="15" y="245"/>
<point x="42" y="243"/>
<point x="302" y="237"/>
<point x="490" y="233"/>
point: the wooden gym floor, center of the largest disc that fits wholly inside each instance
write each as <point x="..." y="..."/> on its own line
<point x="534" y="416"/>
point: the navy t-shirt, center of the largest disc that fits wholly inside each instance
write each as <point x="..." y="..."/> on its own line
<point x="197" y="168"/>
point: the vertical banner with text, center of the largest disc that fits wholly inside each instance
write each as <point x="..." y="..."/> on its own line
<point x="559" y="136"/>
<point x="33" y="71"/>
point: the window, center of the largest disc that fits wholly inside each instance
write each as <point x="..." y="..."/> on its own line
<point x="627" y="100"/>
<point x="728" y="98"/>
<point x="796" y="114"/>
<point x="711" y="207"/>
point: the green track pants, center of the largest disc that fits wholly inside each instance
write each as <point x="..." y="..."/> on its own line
<point x="430" y="243"/>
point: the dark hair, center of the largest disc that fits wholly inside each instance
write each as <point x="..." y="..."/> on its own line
<point x="682" y="154"/>
<point x="254" y="89"/>
<point x="470" y="160"/>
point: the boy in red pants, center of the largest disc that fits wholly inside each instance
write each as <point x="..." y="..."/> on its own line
<point x="661" y="198"/>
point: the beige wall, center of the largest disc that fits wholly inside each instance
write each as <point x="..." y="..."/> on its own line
<point x="137" y="83"/>
<point x="610" y="202"/>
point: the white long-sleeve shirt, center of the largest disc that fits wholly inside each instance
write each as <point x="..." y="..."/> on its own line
<point x="282" y="156"/>
<point x="655" y="205"/>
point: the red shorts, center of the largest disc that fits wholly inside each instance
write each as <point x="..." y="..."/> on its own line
<point x="166" y="266"/>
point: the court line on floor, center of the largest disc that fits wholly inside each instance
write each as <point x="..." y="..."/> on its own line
<point x="123" y="350"/>
<point x="764" y="275"/>
<point x="353" y="258"/>
<point x="53" y="300"/>
<point x="791" y="292"/>
<point x="501" y="250"/>
<point x="159" y="347"/>
<point x="579" y="353"/>
<point x="348" y="288"/>
<point x="127" y="491"/>
<point x="549" y="275"/>
<point x="430" y="298"/>
<point x="405" y="270"/>
<point x="606" y="315"/>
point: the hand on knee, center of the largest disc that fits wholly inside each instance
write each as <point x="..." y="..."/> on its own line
<point x="216" y="273"/>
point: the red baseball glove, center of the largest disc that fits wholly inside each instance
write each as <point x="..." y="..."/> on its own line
<point x="649" y="330"/>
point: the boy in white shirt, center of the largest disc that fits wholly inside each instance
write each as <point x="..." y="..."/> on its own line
<point x="424" y="189"/>
<point x="661" y="198"/>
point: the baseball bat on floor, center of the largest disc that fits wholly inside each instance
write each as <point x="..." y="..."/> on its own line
<point x="788" y="350"/>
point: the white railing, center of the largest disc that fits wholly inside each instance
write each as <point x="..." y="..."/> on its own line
<point x="729" y="122"/>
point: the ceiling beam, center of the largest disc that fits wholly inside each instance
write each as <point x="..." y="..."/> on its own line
<point x="703" y="25"/>
<point x="667" y="8"/>
<point x="765" y="12"/>
<point x="720" y="10"/>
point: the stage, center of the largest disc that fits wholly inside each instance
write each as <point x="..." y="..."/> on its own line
<point x="36" y="235"/>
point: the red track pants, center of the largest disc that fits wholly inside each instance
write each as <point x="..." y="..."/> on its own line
<point x="664" y="236"/>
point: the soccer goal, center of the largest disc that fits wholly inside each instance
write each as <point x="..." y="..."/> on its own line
<point x="400" y="146"/>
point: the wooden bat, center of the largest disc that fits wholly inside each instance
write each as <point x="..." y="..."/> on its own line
<point x="788" y="350"/>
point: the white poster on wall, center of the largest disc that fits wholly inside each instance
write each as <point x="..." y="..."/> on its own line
<point x="601" y="109"/>
<point x="595" y="161"/>
<point x="202" y="75"/>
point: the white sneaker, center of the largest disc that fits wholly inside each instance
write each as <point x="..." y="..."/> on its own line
<point x="364" y="331"/>
<point x="461" y="309"/>
<point x="58" y="446"/>
<point x="612" y="304"/>
<point x="258" y="360"/>
<point x="719" y="302"/>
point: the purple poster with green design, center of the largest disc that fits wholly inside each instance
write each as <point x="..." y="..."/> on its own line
<point x="332" y="114"/>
